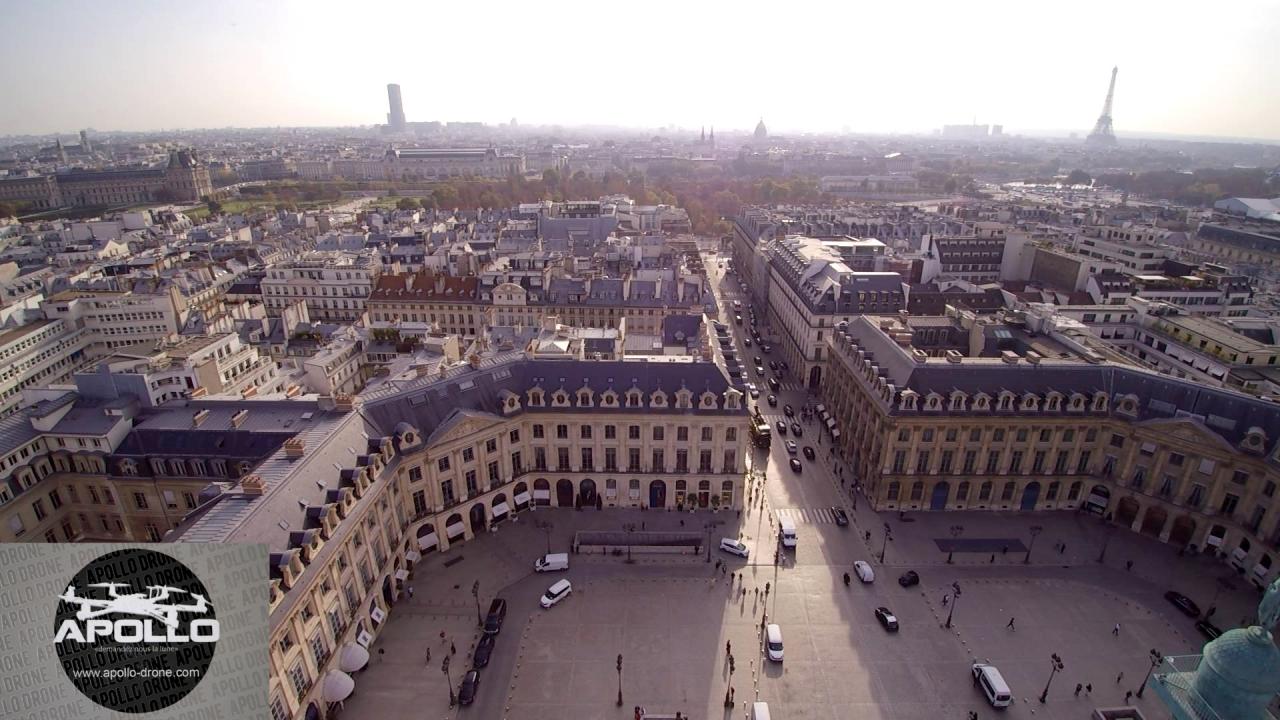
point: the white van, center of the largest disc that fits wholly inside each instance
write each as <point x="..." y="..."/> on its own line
<point x="787" y="530"/>
<point x="760" y="711"/>
<point x="556" y="593"/>
<point x="773" y="642"/>
<point x="993" y="685"/>
<point x="554" y="561"/>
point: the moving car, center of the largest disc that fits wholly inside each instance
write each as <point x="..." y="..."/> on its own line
<point x="787" y="532"/>
<point x="788" y="411"/>
<point x="1208" y="629"/>
<point x="1183" y="603"/>
<point x="909" y="578"/>
<point x="737" y="319"/>
<point x="773" y="400"/>
<point x="791" y="447"/>
<point x="808" y="452"/>
<point x="774" y="384"/>
<point x="752" y="390"/>
<point x="552" y="562"/>
<point x="796" y="429"/>
<point x="887" y="619"/>
<point x="767" y="349"/>
<point x="746" y="342"/>
<point x="467" y="690"/>
<point x="782" y="428"/>
<point x="734" y="547"/>
<point x="842" y="519"/>
<point x="795" y="465"/>
<point x="497" y="613"/>
<point x="993" y="685"/>
<point x="556" y="593"/>
<point x="484" y="649"/>
<point x="863" y="569"/>
<point x="773" y="642"/>
<point x="759" y="361"/>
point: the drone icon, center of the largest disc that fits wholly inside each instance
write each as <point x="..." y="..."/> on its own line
<point x="146" y="604"/>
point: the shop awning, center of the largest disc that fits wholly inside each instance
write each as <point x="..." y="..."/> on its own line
<point x="454" y="530"/>
<point x="352" y="658"/>
<point x="831" y="422"/>
<point x="822" y="408"/>
<point x="522" y="498"/>
<point x="338" y="686"/>
<point x="835" y="433"/>
<point x="428" y="541"/>
<point x="402" y="574"/>
<point x="542" y="494"/>
<point x="413" y="556"/>
<point x="501" y="509"/>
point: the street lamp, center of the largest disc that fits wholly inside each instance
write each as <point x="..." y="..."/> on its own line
<point x="1111" y="529"/>
<point x="630" y="528"/>
<point x="956" y="531"/>
<point x="1224" y="583"/>
<point x="1156" y="659"/>
<point x="955" y="595"/>
<point x="708" y="527"/>
<point x="619" y="679"/>
<point x="475" y="592"/>
<point x="1034" y="530"/>
<point x="444" y="667"/>
<point x="546" y="527"/>
<point x="885" y="546"/>
<point x="1055" y="664"/>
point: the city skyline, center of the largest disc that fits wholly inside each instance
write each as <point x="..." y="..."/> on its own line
<point x="316" y="65"/>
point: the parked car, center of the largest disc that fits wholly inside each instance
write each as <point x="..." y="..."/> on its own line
<point x="864" y="571"/>
<point x="773" y="642"/>
<point x="759" y="361"/>
<point x="753" y="391"/>
<point x="796" y="429"/>
<point x="734" y="547"/>
<point x="773" y="364"/>
<point x="795" y="465"/>
<point x="497" y="613"/>
<point x="808" y="452"/>
<point x="774" y="385"/>
<point x="887" y="619"/>
<point x="767" y="349"/>
<point x="909" y="578"/>
<point x="782" y="428"/>
<point x="1208" y="629"/>
<point x="467" y="690"/>
<point x="746" y="342"/>
<point x="484" y="649"/>
<point x="773" y="400"/>
<point x="788" y="411"/>
<point x="791" y="447"/>
<point x="556" y="593"/>
<point x="842" y="518"/>
<point x="1183" y="603"/>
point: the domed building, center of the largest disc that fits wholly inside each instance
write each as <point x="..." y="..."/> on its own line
<point x="1236" y="677"/>
<point x="761" y="131"/>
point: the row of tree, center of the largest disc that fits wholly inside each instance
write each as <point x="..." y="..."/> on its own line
<point x="1199" y="187"/>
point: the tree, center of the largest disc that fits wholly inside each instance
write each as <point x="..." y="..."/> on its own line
<point x="215" y="207"/>
<point x="8" y="209"/>
<point x="407" y="204"/>
<point x="1079" y="177"/>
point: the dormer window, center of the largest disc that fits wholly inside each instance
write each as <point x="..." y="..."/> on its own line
<point x="1030" y="402"/>
<point x="609" y="399"/>
<point x="560" y="399"/>
<point x="584" y="398"/>
<point x="934" y="402"/>
<point x="1077" y="403"/>
<point x="909" y="401"/>
<point x="1054" y="402"/>
<point x="658" y="399"/>
<point x="982" y="402"/>
<point x="536" y="398"/>
<point x="684" y="399"/>
<point x="1099" y="401"/>
<point x="1006" y="401"/>
<point x="633" y="398"/>
<point x="708" y="400"/>
<point x="957" y="401"/>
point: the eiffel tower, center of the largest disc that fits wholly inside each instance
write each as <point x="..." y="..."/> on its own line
<point x="1102" y="135"/>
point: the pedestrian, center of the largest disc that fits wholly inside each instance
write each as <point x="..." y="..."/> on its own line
<point x="724" y="570"/>
<point x="410" y="588"/>
<point x="727" y="647"/>
<point x="993" y="558"/>
<point x="1004" y="550"/>
<point x="1010" y="625"/>
<point x="766" y="589"/>
<point x="1116" y="631"/>
<point x="681" y="523"/>
<point x="1062" y="548"/>
<point x="441" y="636"/>
<point x="1127" y="694"/>
<point x="1088" y="689"/>
<point x="1079" y="687"/>
<point x="428" y="656"/>
<point x="642" y="525"/>
<point x="945" y="600"/>
<point x="453" y="649"/>
<point x="1119" y="677"/>
<point x="1128" y="565"/>
<point x="731" y="664"/>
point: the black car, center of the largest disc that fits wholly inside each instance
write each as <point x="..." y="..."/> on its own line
<point x="796" y="429"/>
<point x="788" y="411"/>
<point x="484" y="649"/>
<point x="773" y="364"/>
<point x="1208" y="629"/>
<point x="773" y="401"/>
<point x="909" y="578"/>
<point x="795" y="464"/>
<point x="887" y="619"/>
<point x="774" y="384"/>
<point x="782" y="428"/>
<point x="467" y="690"/>
<point x="842" y="519"/>
<point x="808" y="452"/>
<point x="497" y="613"/>
<point x="1183" y="603"/>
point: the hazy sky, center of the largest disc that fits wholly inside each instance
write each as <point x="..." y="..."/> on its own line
<point x="871" y="66"/>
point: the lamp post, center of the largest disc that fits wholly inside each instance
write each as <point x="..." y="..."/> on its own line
<point x="619" y="679"/>
<point x="955" y="595"/>
<point x="1055" y="664"/>
<point x="956" y="532"/>
<point x="708" y="527"/>
<point x="1034" y="530"/>
<point x="546" y="527"/>
<point x="475" y="592"/>
<point x="630" y="528"/>
<point x="1224" y="583"/>
<point x="1156" y="659"/>
<point x="1111" y="529"/>
<point x="884" y="547"/>
<point x="444" y="667"/>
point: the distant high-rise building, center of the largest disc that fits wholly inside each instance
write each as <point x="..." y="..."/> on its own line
<point x="85" y="146"/>
<point x="761" y="131"/>
<point x="395" y="118"/>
